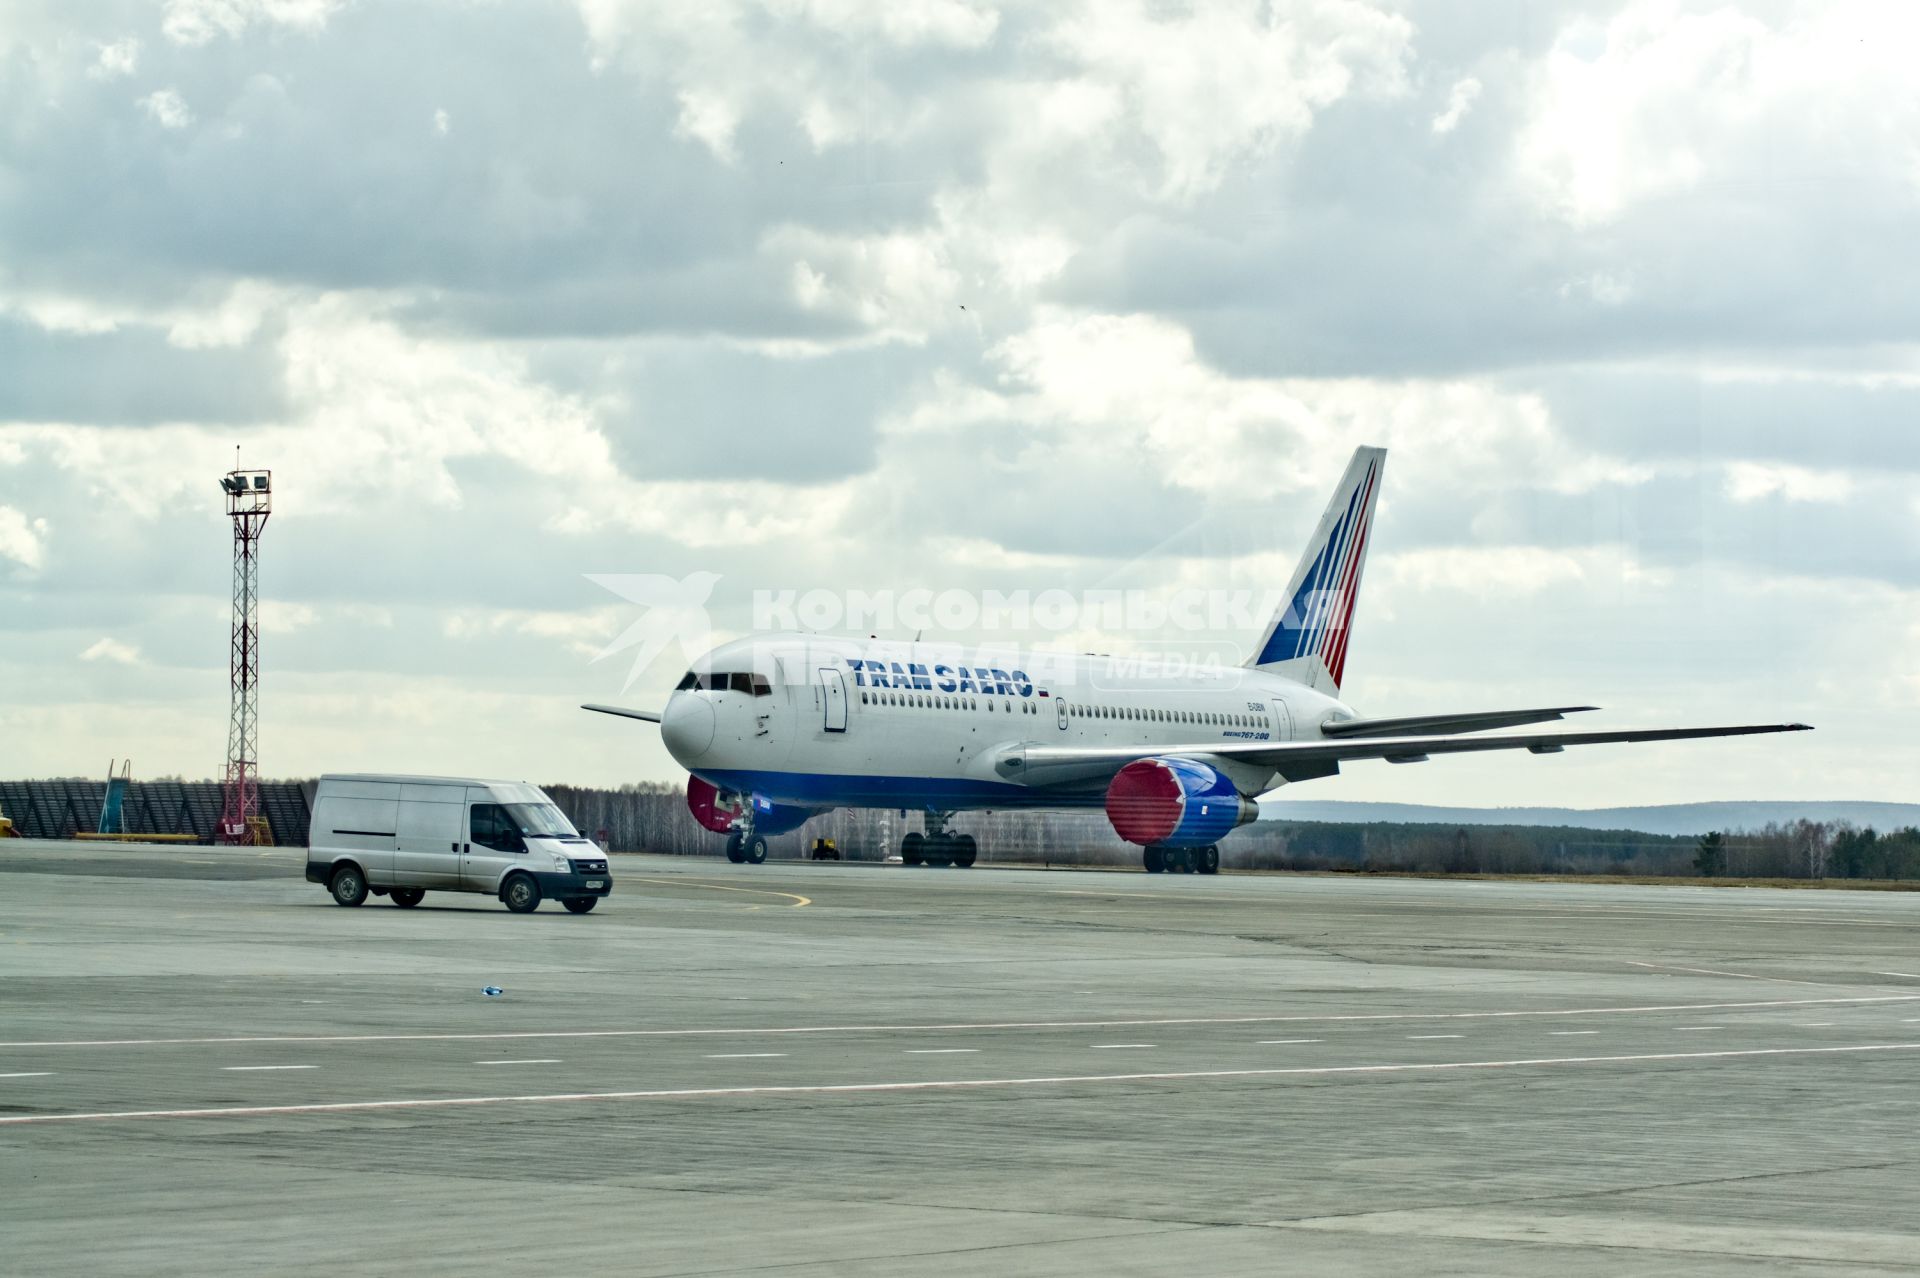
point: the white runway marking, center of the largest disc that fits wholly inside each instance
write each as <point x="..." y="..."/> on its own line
<point x="1685" y="1029"/>
<point x="958" y="1084"/>
<point x="538" y="1060"/>
<point x="1569" y="1033"/>
<point x="958" y="1025"/>
<point x="1911" y="976"/>
<point x="245" y="1069"/>
<point x="1714" y="971"/>
<point x="1436" y="1036"/>
<point x="1817" y="1025"/>
<point x="940" y="1051"/>
<point x="743" y="1056"/>
<point x="1103" y="1047"/>
<point x="36" y="1073"/>
<point x="1281" y="1042"/>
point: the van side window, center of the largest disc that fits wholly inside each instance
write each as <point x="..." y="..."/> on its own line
<point x="493" y="828"/>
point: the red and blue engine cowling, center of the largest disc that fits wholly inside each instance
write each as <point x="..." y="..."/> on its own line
<point x="717" y="809"/>
<point x="1175" y="803"/>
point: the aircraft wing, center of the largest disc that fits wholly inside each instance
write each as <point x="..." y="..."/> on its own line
<point x="651" y="716"/>
<point x="1472" y="721"/>
<point x="1305" y="760"/>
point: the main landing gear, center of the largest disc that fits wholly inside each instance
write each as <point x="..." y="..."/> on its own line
<point x="937" y="847"/>
<point x="743" y="845"/>
<point x="1182" y="860"/>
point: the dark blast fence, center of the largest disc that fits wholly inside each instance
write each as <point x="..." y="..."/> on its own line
<point x="653" y="817"/>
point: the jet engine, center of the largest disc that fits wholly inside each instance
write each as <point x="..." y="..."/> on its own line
<point x="1180" y="803"/>
<point x="718" y="809"/>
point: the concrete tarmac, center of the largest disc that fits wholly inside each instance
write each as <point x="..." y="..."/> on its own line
<point x="208" y="1067"/>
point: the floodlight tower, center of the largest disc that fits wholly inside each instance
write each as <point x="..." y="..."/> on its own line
<point x="249" y="502"/>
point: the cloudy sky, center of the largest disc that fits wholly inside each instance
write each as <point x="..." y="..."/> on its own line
<point x="832" y="294"/>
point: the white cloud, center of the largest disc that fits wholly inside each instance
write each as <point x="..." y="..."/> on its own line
<point x="1756" y="481"/>
<point x="1460" y="100"/>
<point x="1491" y="571"/>
<point x="167" y="109"/>
<point x="1218" y="83"/>
<point x="1664" y="98"/>
<point x="230" y="321"/>
<point x="283" y="617"/>
<point x="192" y="22"/>
<point x="442" y="122"/>
<point x="22" y="540"/>
<point x="116" y="59"/>
<point x="710" y="119"/>
<point x="113" y="650"/>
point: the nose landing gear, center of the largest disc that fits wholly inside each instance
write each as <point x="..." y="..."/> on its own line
<point x="743" y="845"/>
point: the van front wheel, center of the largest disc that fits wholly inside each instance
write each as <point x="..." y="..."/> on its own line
<point x="348" y="885"/>
<point x="521" y="894"/>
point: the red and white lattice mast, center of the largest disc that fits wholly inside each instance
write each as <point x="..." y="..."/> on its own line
<point x="249" y="502"/>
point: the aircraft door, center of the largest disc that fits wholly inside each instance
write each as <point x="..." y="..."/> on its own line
<point x="833" y="700"/>
<point x="1282" y="721"/>
<point x="1060" y="712"/>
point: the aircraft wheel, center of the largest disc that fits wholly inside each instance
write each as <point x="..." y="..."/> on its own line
<point x="754" y="850"/>
<point x="1181" y="861"/>
<point x="913" y="849"/>
<point x="1210" y="860"/>
<point x="938" y="849"/>
<point x="734" y="854"/>
<point x="965" y="851"/>
<point x="1154" y="859"/>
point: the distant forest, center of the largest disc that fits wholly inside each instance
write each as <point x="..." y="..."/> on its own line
<point x="653" y="817"/>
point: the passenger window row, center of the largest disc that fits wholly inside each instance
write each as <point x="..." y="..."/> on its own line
<point x="939" y="701"/>
<point x="1143" y="714"/>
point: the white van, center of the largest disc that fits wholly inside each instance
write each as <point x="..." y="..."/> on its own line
<point x="401" y="837"/>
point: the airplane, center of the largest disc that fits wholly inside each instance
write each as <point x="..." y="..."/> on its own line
<point x="777" y="728"/>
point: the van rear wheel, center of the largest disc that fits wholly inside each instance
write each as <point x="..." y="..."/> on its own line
<point x="580" y="904"/>
<point x="407" y="898"/>
<point x="521" y="894"/>
<point x="348" y="885"/>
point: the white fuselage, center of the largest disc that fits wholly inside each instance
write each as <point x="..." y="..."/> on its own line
<point x="820" y="722"/>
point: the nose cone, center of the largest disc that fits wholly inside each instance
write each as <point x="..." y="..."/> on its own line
<point x="687" y="727"/>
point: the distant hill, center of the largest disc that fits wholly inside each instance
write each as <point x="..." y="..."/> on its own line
<point x="1672" y="818"/>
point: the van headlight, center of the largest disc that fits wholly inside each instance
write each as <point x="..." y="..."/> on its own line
<point x="561" y="863"/>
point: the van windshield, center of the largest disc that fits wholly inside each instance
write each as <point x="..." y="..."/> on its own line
<point x="541" y="819"/>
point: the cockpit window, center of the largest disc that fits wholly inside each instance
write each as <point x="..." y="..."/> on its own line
<point x="753" y="685"/>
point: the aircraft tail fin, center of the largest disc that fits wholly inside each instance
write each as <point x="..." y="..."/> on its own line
<point x="1307" y="638"/>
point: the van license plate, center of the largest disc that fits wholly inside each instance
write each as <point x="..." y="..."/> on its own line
<point x="596" y="883"/>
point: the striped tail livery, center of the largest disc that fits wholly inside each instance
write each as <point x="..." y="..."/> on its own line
<point x="1307" y="639"/>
